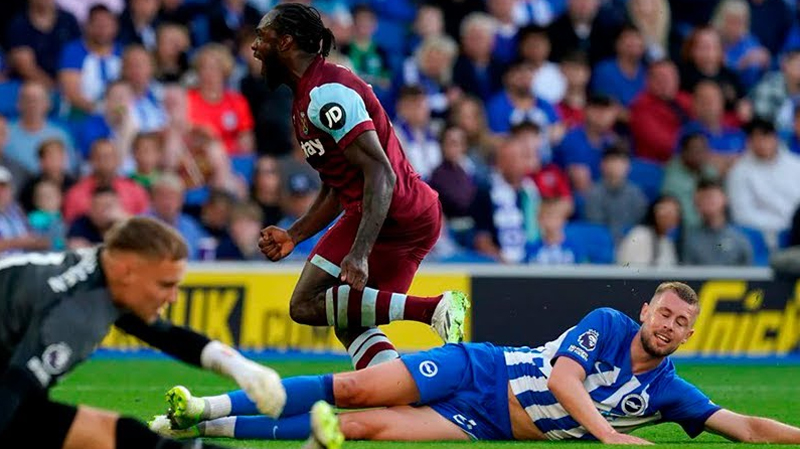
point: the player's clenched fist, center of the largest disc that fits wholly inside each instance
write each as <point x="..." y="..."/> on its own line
<point x="354" y="271"/>
<point x="275" y="243"/>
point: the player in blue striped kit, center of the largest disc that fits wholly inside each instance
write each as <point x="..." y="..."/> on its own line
<point x="601" y="379"/>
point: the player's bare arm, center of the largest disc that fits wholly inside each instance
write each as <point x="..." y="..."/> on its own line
<point x="751" y="429"/>
<point x="323" y="211"/>
<point x="367" y="153"/>
<point x="277" y="243"/>
<point x="566" y="384"/>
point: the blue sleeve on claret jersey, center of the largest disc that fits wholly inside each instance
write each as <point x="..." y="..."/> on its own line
<point x="593" y="334"/>
<point x="688" y="406"/>
<point x="336" y="109"/>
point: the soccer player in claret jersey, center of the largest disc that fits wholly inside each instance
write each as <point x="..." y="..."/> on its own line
<point x="356" y="277"/>
<point x="599" y="380"/>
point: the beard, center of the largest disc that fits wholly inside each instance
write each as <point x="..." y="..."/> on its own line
<point x="272" y="71"/>
<point x="652" y="350"/>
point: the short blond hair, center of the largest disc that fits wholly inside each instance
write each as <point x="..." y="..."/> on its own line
<point x="147" y="237"/>
<point x="680" y="289"/>
<point x="218" y="51"/>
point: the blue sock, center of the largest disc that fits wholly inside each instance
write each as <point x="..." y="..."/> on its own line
<point x="262" y="428"/>
<point x="301" y="393"/>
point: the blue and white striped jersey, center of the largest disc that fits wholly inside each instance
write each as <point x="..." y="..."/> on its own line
<point x="601" y="344"/>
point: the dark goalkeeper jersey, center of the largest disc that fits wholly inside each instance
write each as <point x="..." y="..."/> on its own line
<point x="55" y="309"/>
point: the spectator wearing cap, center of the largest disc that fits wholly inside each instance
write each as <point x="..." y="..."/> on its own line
<point x="727" y="143"/>
<point x="33" y="127"/>
<point x="18" y="172"/>
<point x="764" y="185"/>
<point x="622" y="77"/>
<point x="53" y="168"/>
<point x="34" y="39"/>
<point x="297" y="195"/>
<point x="615" y="202"/>
<point x="477" y="71"/>
<point x="715" y="241"/>
<point x="685" y="171"/>
<point x="104" y="162"/>
<point x="15" y="235"/>
<point x="416" y="132"/>
<point x="241" y="242"/>
<point x="775" y="95"/>
<point x="88" y="64"/>
<point x="581" y="150"/>
<point x="534" y="46"/>
<point x="655" y="115"/>
<point x="168" y="200"/>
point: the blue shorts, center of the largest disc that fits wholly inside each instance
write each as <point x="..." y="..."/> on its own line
<point x="467" y="384"/>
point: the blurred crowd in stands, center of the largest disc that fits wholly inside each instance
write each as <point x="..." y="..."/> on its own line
<point x="635" y="132"/>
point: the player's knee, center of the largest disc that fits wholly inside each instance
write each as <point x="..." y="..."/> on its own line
<point x="354" y="428"/>
<point x="301" y="312"/>
<point x="349" y="393"/>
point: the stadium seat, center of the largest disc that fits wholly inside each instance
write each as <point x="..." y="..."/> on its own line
<point x="595" y="240"/>
<point x="9" y="91"/>
<point x="783" y="238"/>
<point x="648" y="176"/>
<point x="759" y="245"/>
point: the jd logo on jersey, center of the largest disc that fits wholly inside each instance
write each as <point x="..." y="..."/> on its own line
<point x="333" y="116"/>
<point x="634" y="404"/>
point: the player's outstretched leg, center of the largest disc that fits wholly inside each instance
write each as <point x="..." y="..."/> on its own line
<point x="348" y="308"/>
<point x="185" y="410"/>
<point x="296" y="427"/>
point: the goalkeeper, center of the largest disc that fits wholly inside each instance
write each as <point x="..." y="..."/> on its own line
<point x="55" y="308"/>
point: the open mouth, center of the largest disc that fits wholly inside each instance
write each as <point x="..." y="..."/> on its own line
<point x="663" y="338"/>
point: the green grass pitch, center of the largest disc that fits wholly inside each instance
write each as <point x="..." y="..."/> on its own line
<point x="136" y="387"/>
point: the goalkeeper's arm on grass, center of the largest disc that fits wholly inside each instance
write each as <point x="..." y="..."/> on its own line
<point x="260" y="383"/>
